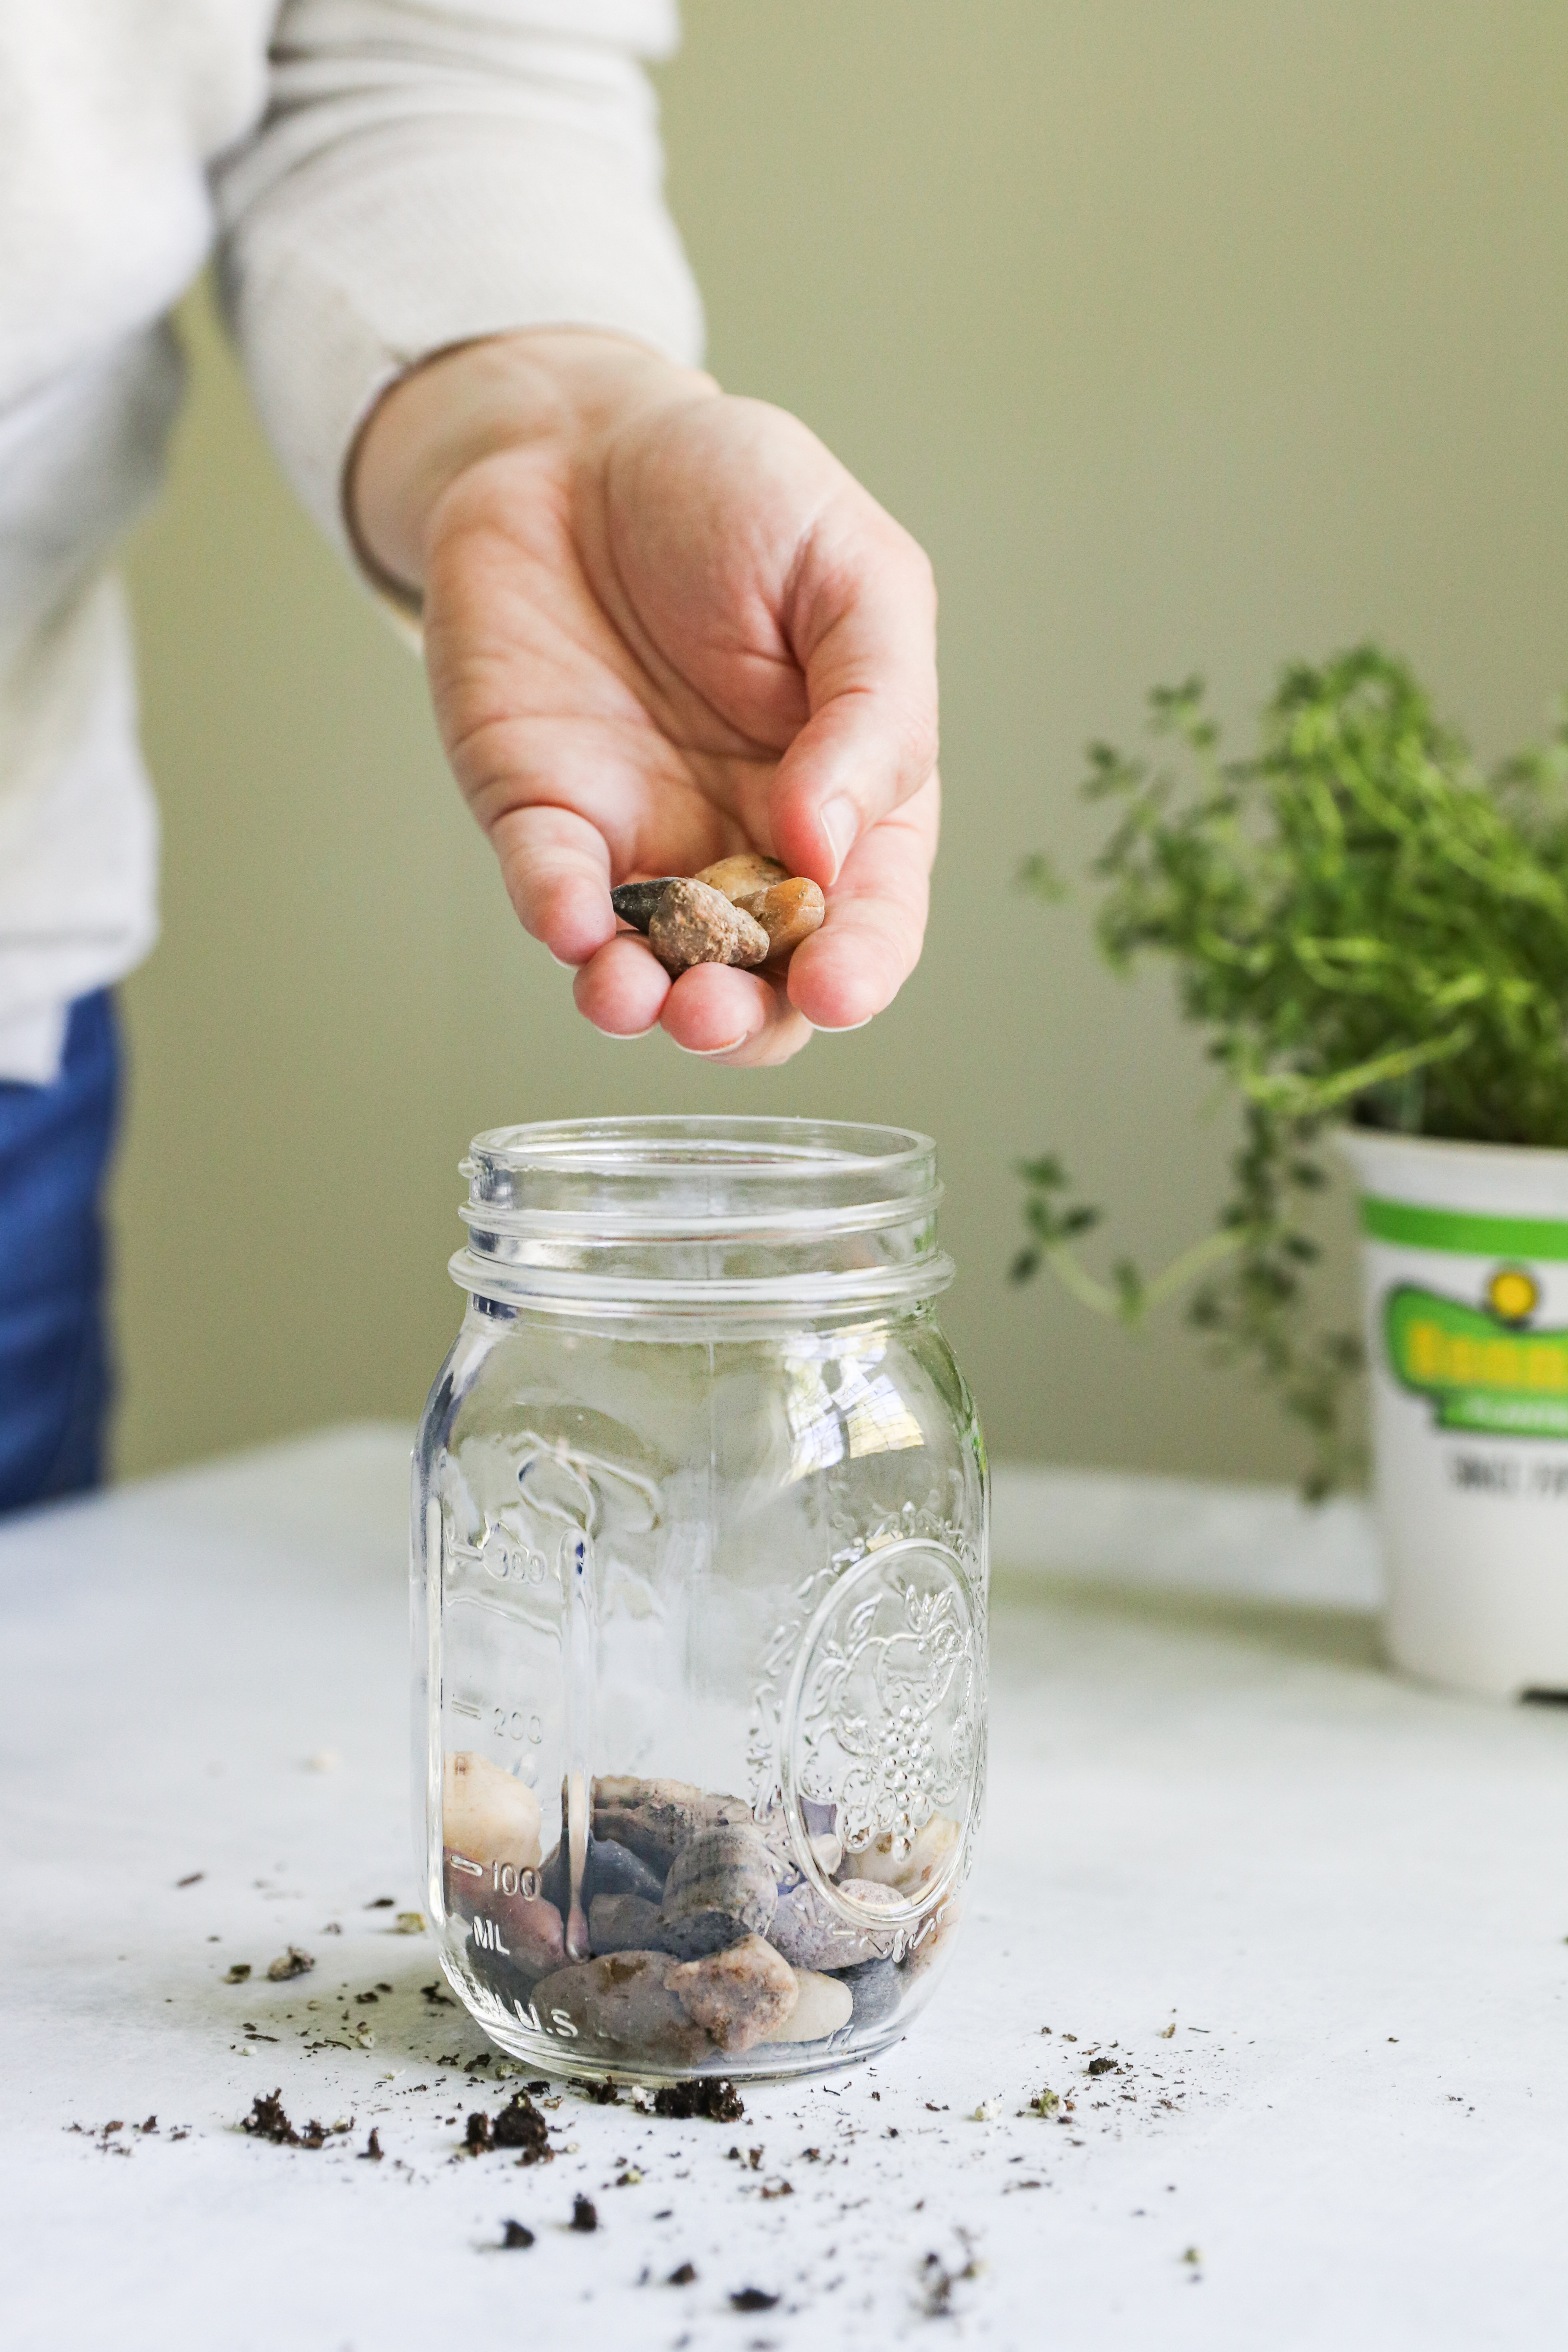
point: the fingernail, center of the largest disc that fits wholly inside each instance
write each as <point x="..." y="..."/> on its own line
<point x="706" y="1053"/>
<point x="840" y="822"/>
<point x="627" y="1036"/>
<point x="838" y="1028"/>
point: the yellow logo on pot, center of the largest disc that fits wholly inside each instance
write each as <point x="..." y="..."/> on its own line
<point x="1480" y="1368"/>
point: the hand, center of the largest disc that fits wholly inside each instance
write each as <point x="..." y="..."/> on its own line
<point x="662" y="626"/>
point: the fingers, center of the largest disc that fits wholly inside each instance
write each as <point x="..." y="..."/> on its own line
<point x="556" y="868"/>
<point x="862" y="619"/>
<point x="871" y="942"/>
<point x="735" y="1017"/>
<point x="622" y="989"/>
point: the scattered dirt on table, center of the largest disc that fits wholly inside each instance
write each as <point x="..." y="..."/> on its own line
<point x="584" y="2214"/>
<point x="753" y="2298"/>
<point x="516" y="2233"/>
<point x="685" y="2277"/>
<point x="519" y="2124"/>
<point x="937" y="2282"/>
<point x="267" y="2120"/>
<point x="713" y="2097"/>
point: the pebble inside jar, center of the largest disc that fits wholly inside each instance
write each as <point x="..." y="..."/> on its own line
<point x="699" y="1599"/>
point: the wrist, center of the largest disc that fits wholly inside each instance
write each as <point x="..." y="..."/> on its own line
<point x="545" y="389"/>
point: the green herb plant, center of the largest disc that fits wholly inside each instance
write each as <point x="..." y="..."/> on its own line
<point x="1367" y="928"/>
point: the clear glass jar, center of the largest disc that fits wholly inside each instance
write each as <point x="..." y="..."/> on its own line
<point x="699" y="1580"/>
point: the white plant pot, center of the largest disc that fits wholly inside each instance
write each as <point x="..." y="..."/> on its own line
<point x="1466" y="1257"/>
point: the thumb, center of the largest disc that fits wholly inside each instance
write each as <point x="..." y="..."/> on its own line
<point x="861" y="619"/>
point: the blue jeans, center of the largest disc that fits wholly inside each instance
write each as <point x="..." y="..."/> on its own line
<point x="55" y="1383"/>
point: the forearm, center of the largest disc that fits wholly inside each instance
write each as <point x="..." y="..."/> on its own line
<point x="563" y="392"/>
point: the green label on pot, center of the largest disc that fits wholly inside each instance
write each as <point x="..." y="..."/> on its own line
<point x="1480" y="1366"/>
<point x="1463" y="1230"/>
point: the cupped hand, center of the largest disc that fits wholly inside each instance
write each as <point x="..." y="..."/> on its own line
<point x="662" y="626"/>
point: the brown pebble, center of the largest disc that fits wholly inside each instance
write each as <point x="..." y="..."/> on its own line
<point x="692" y="925"/>
<point x="741" y="878"/>
<point x="789" y="912"/>
<point x="740" y="1996"/>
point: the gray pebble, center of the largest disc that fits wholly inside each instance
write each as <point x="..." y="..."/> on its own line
<point x="615" y="1870"/>
<point x="654" y="1819"/>
<point x="722" y="1886"/>
<point x="811" y="1934"/>
<point x="624" y="1923"/>
<point x="634" y="902"/>
<point x="876" y="1988"/>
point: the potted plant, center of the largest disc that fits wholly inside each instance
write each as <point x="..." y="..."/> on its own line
<point x="1374" y="937"/>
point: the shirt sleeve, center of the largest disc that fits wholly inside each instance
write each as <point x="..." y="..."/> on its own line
<point x="428" y="173"/>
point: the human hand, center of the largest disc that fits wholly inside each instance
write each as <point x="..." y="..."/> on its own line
<point x="663" y="625"/>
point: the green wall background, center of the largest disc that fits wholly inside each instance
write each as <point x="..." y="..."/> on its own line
<point x="1186" y="333"/>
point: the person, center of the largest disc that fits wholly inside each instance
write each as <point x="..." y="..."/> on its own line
<point x="660" y="623"/>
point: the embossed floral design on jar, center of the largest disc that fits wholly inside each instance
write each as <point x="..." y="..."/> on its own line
<point x="699" y="1599"/>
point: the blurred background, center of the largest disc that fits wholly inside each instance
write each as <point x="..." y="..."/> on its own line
<point x="1187" y="334"/>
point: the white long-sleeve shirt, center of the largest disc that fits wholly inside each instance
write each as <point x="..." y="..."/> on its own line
<point x="384" y="177"/>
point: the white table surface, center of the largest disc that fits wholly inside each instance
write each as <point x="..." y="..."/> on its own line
<point x="1350" y="1896"/>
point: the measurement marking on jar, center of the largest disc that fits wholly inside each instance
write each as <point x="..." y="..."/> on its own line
<point x="516" y="1724"/>
<point x="466" y="1706"/>
<point x="507" y="1881"/>
<point x="487" y="1936"/>
<point x="474" y="1869"/>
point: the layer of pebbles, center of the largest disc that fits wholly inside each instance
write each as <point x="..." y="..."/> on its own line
<point x="705" y="1938"/>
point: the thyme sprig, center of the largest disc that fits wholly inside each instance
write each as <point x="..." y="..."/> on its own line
<point x="1366" y="927"/>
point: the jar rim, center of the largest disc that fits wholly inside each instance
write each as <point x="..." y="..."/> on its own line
<point x="718" y="1211"/>
<point x="764" y="1146"/>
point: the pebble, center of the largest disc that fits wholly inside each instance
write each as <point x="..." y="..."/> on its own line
<point x="623" y="1923"/>
<point x="623" y="2003"/>
<point x="742" y="1995"/>
<point x="634" y="902"/>
<point x="822" y="2005"/>
<point x="744" y="910"/>
<point x="788" y="907"/>
<point x="722" y="1886"/>
<point x="875" y="1988"/>
<point x="812" y="1934"/>
<point x="692" y="924"/>
<point x="607" y="1869"/>
<point x="890" y="1863"/>
<point x="486" y="1815"/>
<point x="743" y="877"/>
<point x="654" y="1819"/>
<point x="789" y="913"/>
<point x="530" y="1932"/>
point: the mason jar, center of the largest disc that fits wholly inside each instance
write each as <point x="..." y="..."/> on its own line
<point x="700" y="1590"/>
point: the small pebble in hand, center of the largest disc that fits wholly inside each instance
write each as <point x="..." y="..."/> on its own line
<point x="743" y="910"/>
